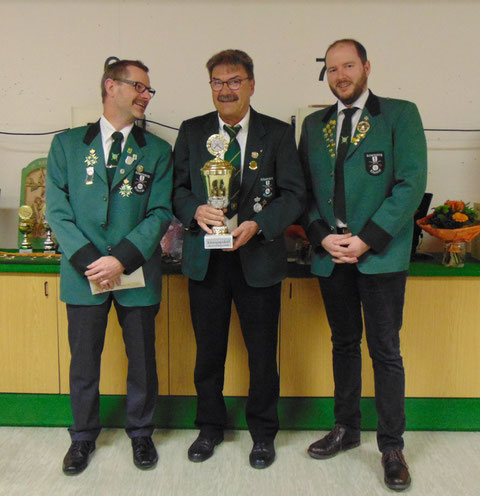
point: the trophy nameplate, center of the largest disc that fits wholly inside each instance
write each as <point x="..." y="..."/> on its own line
<point x="216" y="174"/>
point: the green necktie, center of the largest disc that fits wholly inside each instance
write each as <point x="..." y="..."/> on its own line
<point x="114" y="155"/>
<point x="233" y="155"/>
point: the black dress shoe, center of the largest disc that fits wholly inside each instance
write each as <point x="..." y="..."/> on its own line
<point x="202" y="448"/>
<point x="262" y="454"/>
<point x="337" y="440"/>
<point x="397" y="476"/>
<point x="144" y="452"/>
<point x="76" y="459"/>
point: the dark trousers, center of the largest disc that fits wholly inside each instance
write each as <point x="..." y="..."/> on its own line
<point x="381" y="296"/>
<point x="86" y="334"/>
<point x="258" y="310"/>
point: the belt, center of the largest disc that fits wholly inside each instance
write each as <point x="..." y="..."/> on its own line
<point x="343" y="230"/>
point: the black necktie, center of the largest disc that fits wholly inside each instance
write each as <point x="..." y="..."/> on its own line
<point x="342" y="149"/>
<point x="114" y="155"/>
<point x="233" y="155"/>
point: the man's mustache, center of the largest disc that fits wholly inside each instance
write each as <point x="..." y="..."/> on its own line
<point x="227" y="98"/>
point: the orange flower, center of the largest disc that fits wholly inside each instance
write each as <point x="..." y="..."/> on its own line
<point x="456" y="206"/>
<point x="460" y="217"/>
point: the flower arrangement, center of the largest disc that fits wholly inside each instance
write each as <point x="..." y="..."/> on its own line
<point x="453" y="215"/>
<point x="455" y="223"/>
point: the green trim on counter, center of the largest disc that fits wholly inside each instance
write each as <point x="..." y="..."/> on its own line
<point x="430" y="265"/>
<point x="178" y="412"/>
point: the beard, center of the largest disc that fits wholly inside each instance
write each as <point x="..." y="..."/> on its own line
<point x="355" y="91"/>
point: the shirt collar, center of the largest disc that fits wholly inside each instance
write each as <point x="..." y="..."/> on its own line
<point x="107" y="130"/>
<point x="359" y="102"/>
<point x="244" y="122"/>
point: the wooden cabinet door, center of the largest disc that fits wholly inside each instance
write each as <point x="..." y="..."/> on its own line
<point x="28" y="333"/>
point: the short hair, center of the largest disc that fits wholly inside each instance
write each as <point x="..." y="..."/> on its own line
<point x="361" y="51"/>
<point x="231" y="57"/>
<point x="118" y="70"/>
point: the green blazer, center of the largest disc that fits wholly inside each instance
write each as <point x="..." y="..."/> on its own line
<point x="385" y="176"/>
<point x="93" y="220"/>
<point x="272" y="176"/>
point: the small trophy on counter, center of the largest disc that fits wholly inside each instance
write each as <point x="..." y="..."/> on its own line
<point x="25" y="226"/>
<point x="216" y="174"/>
<point x="49" y="245"/>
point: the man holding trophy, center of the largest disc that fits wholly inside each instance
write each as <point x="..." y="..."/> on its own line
<point x="260" y="179"/>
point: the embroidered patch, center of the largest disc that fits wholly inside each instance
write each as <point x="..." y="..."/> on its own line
<point x="267" y="186"/>
<point x="375" y="163"/>
<point x="141" y="181"/>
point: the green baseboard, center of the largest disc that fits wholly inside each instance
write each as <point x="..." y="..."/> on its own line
<point x="178" y="412"/>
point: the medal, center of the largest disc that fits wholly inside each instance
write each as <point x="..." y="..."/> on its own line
<point x="139" y="168"/>
<point x="91" y="159"/>
<point x="363" y="127"/>
<point x="257" y="207"/>
<point x="125" y="188"/>
<point x="253" y="165"/>
<point x="129" y="160"/>
<point x="254" y="154"/>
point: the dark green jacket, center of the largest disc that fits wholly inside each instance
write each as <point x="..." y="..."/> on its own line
<point x="380" y="201"/>
<point x="93" y="220"/>
<point x="263" y="258"/>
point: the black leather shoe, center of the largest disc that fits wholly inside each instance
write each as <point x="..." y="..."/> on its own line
<point x="262" y="454"/>
<point x="337" y="440"/>
<point x="76" y="459"/>
<point x="397" y="476"/>
<point x="202" y="448"/>
<point x="144" y="452"/>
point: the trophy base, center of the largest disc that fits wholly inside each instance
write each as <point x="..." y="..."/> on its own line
<point x="217" y="241"/>
<point x="50" y="252"/>
<point x="25" y="250"/>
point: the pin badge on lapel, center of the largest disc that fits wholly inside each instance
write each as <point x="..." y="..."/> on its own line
<point x="125" y="188"/>
<point x="91" y="159"/>
<point x="257" y="206"/>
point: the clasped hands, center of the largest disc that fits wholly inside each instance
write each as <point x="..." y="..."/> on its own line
<point x="208" y="216"/>
<point x="105" y="272"/>
<point x="344" y="248"/>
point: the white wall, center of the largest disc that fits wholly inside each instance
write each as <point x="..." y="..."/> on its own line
<point x="53" y="54"/>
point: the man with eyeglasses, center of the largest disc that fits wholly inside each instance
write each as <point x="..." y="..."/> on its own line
<point x="365" y="161"/>
<point x="109" y="203"/>
<point x="270" y="197"/>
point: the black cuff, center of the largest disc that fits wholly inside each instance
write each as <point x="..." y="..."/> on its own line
<point x="129" y="255"/>
<point x="375" y="237"/>
<point x="316" y="232"/>
<point x="84" y="257"/>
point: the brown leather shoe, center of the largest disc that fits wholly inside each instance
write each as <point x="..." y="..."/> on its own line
<point x="397" y="476"/>
<point x="337" y="440"/>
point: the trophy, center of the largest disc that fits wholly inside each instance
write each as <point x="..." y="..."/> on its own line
<point x="216" y="174"/>
<point x="25" y="226"/>
<point x="49" y="244"/>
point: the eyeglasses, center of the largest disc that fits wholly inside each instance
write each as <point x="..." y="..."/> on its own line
<point x="139" y="87"/>
<point x="233" y="84"/>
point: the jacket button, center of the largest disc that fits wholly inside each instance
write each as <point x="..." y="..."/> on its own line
<point x="109" y="249"/>
<point x="104" y="198"/>
<point x="332" y="228"/>
<point x="329" y="201"/>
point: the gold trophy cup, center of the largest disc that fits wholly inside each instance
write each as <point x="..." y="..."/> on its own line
<point x="216" y="174"/>
<point x="25" y="226"/>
